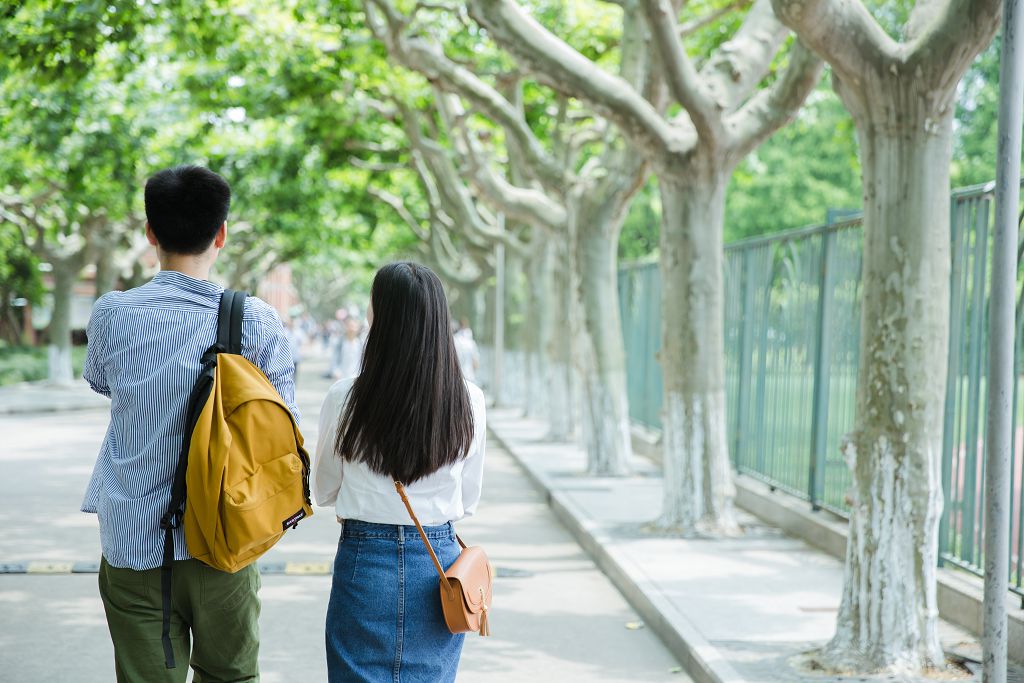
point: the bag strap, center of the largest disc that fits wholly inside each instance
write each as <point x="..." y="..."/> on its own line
<point x="423" y="535"/>
<point x="229" y="340"/>
<point x="229" y="320"/>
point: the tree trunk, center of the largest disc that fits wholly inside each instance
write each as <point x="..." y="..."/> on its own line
<point x="559" y="350"/>
<point x="512" y="385"/>
<point x="888" y="616"/>
<point x="699" y="490"/>
<point x="106" y="272"/>
<point x="59" y="353"/>
<point x="538" y="329"/>
<point x="606" y="408"/>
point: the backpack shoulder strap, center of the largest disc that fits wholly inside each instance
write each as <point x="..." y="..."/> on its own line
<point x="229" y="320"/>
<point x="229" y="339"/>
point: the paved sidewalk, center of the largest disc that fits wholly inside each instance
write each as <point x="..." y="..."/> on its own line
<point x="556" y="616"/>
<point x="740" y="609"/>
<point x="43" y="397"/>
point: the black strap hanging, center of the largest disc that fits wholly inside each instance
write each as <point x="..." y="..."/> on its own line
<point x="229" y="340"/>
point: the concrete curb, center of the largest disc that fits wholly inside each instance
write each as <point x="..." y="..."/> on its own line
<point x="701" y="660"/>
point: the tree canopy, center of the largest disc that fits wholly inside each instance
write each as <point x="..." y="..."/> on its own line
<point x="286" y="99"/>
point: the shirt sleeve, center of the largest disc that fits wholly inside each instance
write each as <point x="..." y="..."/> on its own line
<point x="327" y="467"/>
<point x="94" y="371"/>
<point x="473" y="470"/>
<point x="269" y="349"/>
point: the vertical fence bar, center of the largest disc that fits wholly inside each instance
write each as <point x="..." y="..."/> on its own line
<point x="822" y="354"/>
<point x="957" y="228"/>
<point x="971" y="519"/>
<point x="762" y="357"/>
<point x="743" y="364"/>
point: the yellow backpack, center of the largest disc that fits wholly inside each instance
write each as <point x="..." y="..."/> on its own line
<point x="243" y="475"/>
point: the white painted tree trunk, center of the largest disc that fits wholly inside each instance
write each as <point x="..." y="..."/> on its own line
<point x="605" y="406"/>
<point x="699" y="490"/>
<point x="888" y="617"/>
<point x="538" y="330"/>
<point x="59" y="352"/>
<point x="559" y="352"/>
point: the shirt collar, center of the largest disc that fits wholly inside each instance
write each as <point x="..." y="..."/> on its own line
<point x="177" y="279"/>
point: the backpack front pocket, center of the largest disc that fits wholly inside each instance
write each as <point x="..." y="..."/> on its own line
<point x="259" y="508"/>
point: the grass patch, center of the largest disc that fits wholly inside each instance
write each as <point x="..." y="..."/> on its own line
<point x="29" y="363"/>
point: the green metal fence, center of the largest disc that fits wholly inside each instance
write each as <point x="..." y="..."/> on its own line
<point x="792" y="338"/>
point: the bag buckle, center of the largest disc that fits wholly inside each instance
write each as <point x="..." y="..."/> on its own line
<point x="171" y="520"/>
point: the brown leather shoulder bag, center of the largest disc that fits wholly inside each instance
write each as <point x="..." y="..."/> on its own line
<point x="465" y="587"/>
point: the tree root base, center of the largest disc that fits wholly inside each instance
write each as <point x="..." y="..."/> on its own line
<point x="819" y="662"/>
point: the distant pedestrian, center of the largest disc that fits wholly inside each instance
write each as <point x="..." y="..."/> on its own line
<point x="468" y="352"/>
<point x="296" y="338"/>
<point x="349" y="351"/>
<point x="409" y="417"/>
<point x="145" y="350"/>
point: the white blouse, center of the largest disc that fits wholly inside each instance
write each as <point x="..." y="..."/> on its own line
<point x="357" y="492"/>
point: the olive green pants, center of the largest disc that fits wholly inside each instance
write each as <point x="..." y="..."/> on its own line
<point x="219" y="611"/>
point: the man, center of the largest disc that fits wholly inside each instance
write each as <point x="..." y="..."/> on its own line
<point x="144" y="353"/>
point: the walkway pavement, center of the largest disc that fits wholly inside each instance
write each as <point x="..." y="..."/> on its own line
<point x="740" y="609"/>
<point x="43" y="397"/>
<point x="557" y="617"/>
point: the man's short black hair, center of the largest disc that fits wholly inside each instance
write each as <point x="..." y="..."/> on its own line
<point x="185" y="207"/>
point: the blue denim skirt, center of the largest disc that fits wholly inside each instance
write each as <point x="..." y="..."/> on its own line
<point x="384" y="620"/>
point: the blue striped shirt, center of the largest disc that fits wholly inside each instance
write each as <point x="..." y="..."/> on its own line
<point x="144" y="351"/>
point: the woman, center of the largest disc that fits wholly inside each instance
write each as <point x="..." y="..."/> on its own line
<point x="411" y="417"/>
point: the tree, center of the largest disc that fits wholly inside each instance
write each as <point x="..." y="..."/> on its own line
<point x="66" y="174"/>
<point x="19" y="280"/>
<point x="591" y="192"/>
<point x="901" y="94"/>
<point x="68" y="137"/>
<point x="724" y="117"/>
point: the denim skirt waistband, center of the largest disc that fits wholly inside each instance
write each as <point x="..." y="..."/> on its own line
<point x="357" y="528"/>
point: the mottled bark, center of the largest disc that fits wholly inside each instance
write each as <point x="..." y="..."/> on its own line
<point x="561" y="422"/>
<point x="539" y="328"/>
<point x="699" y="491"/>
<point x="606" y="408"/>
<point x="901" y="97"/>
<point x="888" y="618"/>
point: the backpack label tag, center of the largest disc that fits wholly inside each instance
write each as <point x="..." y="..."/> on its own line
<point x="294" y="520"/>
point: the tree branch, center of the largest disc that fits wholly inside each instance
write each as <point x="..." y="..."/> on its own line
<point x="743" y="61"/>
<point x="683" y="81"/>
<point x="693" y="26"/>
<point x="450" y="189"/>
<point x="842" y="32"/>
<point x="567" y="71"/>
<point x="429" y="60"/>
<point x="529" y="205"/>
<point x="396" y="203"/>
<point x="775" y="106"/>
<point x="946" y="39"/>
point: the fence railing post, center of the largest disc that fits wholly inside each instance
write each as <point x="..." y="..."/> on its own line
<point x="822" y="355"/>
<point x="743" y="362"/>
<point x="958" y="227"/>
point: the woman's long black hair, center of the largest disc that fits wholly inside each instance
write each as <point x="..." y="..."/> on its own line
<point x="408" y="414"/>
